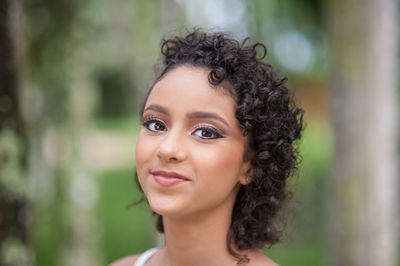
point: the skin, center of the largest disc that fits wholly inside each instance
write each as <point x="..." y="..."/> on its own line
<point x="207" y="149"/>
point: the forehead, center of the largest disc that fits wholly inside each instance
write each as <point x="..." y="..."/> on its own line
<point x="188" y="87"/>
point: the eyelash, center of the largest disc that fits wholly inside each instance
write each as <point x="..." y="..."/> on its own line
<point x="215" y="132"/>
<point x="146" y="123"/>
<point x="216" y="135"/>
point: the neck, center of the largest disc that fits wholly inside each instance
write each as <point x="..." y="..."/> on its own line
<point x="200" y="240"/>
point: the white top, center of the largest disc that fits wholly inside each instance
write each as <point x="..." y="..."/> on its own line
<point x="144" y="257"/>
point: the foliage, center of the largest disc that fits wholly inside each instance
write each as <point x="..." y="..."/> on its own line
<point x="11" y="174"/>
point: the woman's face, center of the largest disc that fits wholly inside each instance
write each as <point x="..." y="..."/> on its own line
<point x="189" y="154"/>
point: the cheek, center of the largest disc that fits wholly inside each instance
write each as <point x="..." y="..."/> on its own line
<point x="218" y="175"/>
<point x="224" y="162"/>
<point x="142" y="153"/>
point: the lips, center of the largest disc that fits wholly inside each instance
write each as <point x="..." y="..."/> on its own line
<point x="168" y="179"/>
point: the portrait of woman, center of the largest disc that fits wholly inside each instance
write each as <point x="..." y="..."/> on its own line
<point x="214" y="152"/>
<point x="132" y="136"/>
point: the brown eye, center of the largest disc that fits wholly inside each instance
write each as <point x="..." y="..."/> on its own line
<point x="159" y="126"/>
<point x="207" y="133"/>
<point x="155" y="126"/>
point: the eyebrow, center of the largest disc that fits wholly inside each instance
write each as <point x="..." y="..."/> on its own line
<point x="192" y="115"/>
<point x="157" y="108"/>
<point x="207" y="115"/>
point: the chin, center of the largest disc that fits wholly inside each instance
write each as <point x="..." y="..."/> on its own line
<point x="166" y="207"/>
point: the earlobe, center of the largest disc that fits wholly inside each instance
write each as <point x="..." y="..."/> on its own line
<point x="245" y="178"/>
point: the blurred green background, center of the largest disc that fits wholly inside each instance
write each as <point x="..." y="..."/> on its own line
<point x="83" y="68"/>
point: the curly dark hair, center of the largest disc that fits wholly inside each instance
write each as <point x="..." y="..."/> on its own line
<point x="269" y="117"/>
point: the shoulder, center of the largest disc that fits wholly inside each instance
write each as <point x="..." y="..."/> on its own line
<point x="126" y="261"/>
<point x="257" y="258"/>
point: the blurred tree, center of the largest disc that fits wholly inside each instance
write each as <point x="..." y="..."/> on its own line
<point x="14" y="240"/>
<point x="364" y="201"/>
<point x="116" y="92"/>
<point x="62" y="190"/>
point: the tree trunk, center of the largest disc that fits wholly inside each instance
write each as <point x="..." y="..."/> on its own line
<point x="14" y="243"/>
<point x="363" y="205"/>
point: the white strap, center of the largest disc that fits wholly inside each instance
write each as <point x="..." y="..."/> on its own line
<point x="144" y="257"/>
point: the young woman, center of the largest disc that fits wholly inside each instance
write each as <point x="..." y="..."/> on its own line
<point x="214" y="152"/>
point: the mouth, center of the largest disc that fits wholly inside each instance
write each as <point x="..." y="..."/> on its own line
<point x="168" y="179"/>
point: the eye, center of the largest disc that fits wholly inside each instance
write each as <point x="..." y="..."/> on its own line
<point x="155" y="125"/>
<point x="207" y="133"/>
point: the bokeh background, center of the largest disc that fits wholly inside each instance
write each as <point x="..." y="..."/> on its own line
<point x="72" y="75"/>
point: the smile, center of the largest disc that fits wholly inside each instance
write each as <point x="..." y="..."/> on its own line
<point x="168" y="179"/>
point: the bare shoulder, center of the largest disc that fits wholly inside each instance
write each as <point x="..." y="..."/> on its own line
<point x="259" y="259"/>
<point x="265" y="261"/>
<point x="126" y="261"/>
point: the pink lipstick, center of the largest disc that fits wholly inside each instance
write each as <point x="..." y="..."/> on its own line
<point x="168" y="179"/>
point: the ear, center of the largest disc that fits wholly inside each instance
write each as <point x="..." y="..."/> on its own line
<point x="245" y="179"/>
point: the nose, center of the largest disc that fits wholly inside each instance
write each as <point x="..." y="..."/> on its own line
<point x="172" y="148"/>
